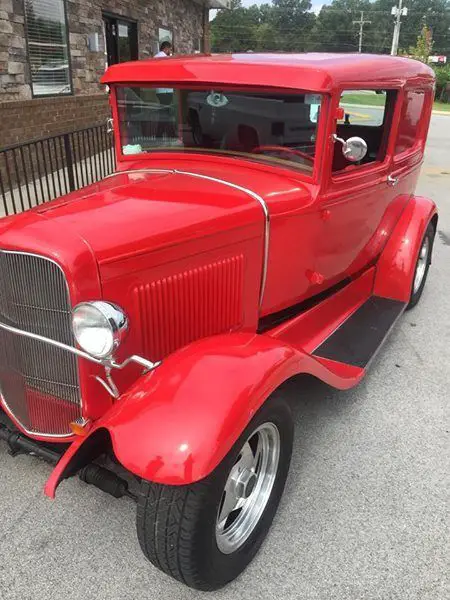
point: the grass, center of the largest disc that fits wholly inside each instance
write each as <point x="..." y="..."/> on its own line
<point x="379" y="100"/>
<point x="367" y="99"/>
<point x="441" y="106"/>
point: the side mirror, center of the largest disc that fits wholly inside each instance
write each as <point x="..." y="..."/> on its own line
<point x="109" y="125"/>
<point x="354" y="149"/>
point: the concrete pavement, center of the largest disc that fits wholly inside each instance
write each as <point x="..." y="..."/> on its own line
<point x="365" y="515"/>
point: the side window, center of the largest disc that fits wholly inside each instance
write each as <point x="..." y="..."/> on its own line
<point x="410" y="117"/>
<point x="368" y="114"/>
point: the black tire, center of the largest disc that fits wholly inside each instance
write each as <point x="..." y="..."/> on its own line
<point x="416" y="294"/>
<point x="176" y="525"/>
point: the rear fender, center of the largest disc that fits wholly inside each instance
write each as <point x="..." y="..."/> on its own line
<point x="177" y="423"/>
<point x="396" y="265"/>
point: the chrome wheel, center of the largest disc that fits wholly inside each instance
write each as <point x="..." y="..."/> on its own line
<point x="422" y="262"/>
<point x="248" y="488"/>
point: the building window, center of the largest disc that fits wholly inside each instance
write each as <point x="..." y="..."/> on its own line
<point x="120" y="39"/>
<point x="165" y="35"/>
<point x="48" y="48"/>
<point x="199" y="45"/>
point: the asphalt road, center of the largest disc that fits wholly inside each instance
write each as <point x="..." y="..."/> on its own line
<point x="365" y="515"/>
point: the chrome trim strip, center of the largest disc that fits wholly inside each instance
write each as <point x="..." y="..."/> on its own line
<point x="147" y="364"/>
<point x="41" y="338"/>
<point x="250" y="193"/>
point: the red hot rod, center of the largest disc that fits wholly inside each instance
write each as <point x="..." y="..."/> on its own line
<point x="257" y="227"/>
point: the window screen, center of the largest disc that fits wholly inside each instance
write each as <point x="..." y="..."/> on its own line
<point x="48" y="51"/>
<point x="409" y="120"/>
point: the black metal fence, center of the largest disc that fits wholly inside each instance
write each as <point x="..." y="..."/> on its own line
<point x="38" y="171"/>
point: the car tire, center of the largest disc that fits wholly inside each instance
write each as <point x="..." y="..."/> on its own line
<point x="422" y="266"/>
<point x="185" y="531"/>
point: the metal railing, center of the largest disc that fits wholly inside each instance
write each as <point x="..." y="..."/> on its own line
<point x="36" y="172"/>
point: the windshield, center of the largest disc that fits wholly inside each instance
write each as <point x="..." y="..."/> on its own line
<point x="265" y="126"/>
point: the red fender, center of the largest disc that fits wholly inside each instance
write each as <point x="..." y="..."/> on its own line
<point x="177" y="423"/>
<point x="396" y="266"/>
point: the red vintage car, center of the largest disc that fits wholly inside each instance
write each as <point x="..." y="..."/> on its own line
<point x="258" y="227"/>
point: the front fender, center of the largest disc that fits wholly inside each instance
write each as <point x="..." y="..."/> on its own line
<point x="396" y="265"/>
<point x="177" y="423"/>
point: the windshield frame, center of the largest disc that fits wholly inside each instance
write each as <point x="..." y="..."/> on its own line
<point x="213" y="155"/>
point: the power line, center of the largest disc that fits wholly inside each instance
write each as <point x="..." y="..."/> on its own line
<point x="361" y="24"/>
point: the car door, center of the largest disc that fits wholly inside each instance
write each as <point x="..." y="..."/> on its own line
<point x="363" y="201"/>
<point x="410" y="139"/>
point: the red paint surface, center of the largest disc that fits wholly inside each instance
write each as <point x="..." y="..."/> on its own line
<point x="395" y="269"/>
<point x="178" y="422"/>
<point x="184" y="258"/>
<point x="312" y="71"/>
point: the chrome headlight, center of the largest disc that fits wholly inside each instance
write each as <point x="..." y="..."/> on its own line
<point x="99" y="327"/>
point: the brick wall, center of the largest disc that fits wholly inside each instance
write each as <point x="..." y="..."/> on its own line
<point x="13" y="57"/>
<point x="42" y="117"/>
<point x="23" y="119"/>
<point x="184" y="17"/>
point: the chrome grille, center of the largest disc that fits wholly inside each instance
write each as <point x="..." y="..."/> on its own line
<point x="38" y="382"/>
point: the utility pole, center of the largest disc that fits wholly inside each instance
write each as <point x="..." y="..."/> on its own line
<point x="398" y="12"/>
<point x="361" y="24"/>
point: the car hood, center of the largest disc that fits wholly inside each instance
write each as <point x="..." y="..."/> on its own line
<point x="133" y="212"/>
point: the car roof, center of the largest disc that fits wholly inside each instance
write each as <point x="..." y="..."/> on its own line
<point x="309" y="71"/>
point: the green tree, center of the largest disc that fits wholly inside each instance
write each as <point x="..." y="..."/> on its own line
<point x="292" y="20"/>
<point x="334" y="30"/>
<point x="422" y="50"/>
<point x="266" y="38"/>
<point x="442" y="83"/>
<point x="435" y="14"/>
<point x="282" y="26"/>
<point x="288" y="25"/>
<point x="234" y="30"/>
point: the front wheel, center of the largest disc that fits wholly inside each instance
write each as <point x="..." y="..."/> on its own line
<point x="206" y="533"/>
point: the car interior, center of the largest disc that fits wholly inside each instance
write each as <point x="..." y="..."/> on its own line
<point x="375" y="132"/>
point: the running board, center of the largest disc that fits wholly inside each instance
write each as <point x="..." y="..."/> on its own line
<point x="356" y="341"/>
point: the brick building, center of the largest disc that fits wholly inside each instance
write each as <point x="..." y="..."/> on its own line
<point x="53" y="53"/>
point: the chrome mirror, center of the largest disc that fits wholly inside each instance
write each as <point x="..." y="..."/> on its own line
<point x="354" y="149"/>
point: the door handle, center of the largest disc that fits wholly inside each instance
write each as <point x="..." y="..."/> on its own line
<point x="392" y="180"/>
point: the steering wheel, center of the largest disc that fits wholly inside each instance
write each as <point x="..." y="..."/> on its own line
<point x="261" y="149"/>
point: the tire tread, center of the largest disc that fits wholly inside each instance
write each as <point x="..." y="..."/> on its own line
<point x="167" y="521"/>
<point x="175" y="523"/>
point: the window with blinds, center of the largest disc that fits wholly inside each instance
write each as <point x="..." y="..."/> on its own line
<point x="48" y="47"/>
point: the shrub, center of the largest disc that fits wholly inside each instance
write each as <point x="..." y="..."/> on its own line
<point x="442" y="83"/>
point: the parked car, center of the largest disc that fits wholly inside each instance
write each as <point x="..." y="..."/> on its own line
<point x="154" y="317"/>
